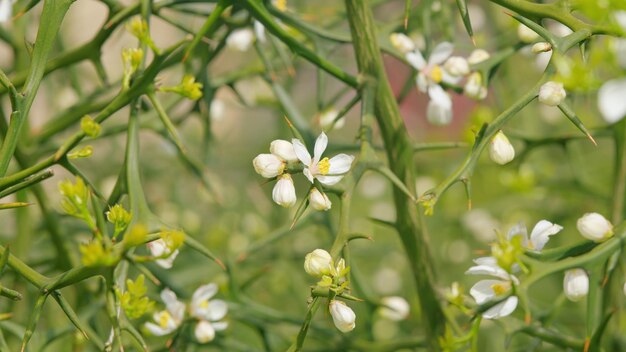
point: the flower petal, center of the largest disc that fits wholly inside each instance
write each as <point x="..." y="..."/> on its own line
<point x="439" y="96"/>
<point x="329" y="180"/>
<point x="416" y="59"/>
<point x="422" y="82"/>
<point x="437" y="114"/>
<point x="518" y="229"/>
<point x="340" y="164"/>
<point x="307" y="173"/>
<point x="502" y="309"/>
<point x="301" y="152"/>
<point x="320" y="145"/>
<point x="482" y="291"/>
<point x="204" y="293"/>
<point x="216" y="310"/>
<point x="440" y="53"/>
<point x="220" y="325"/>
<point x="541" y="233"/>
<point x="611" y="102"/>
<point x="491" y="270"/>
<point x="156" y="330"/>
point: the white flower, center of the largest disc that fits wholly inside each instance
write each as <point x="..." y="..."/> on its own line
<point x="541" y="47"/>
<point x="259" y="32"/>
<point x="539" y="236"/>
<point x="268" y="165"/>
<point x="319" y="200"/>
<point x="552" y="93"/>
<point x="327" y="171"/>
<point x="595" y="227"/>
<point x="240" y="39"/>
<point x="284" y="192"/>
<point x="402" y="42"/>
<point x="284" y="150"/>
<point x="430" y="75"/>
<point x="477" y="56"/>
<point x="500" y="149"/>
<point x="328" y="116"/>
<point x="526" y="34"/>
<point x="159" y="249"/>
<point x="575" y="284"/>
<point x="343" y="317"/>
<point x="488" y="290"/>
<point x="318" y="263"/>
<point x="217" y="110"/>
<point x="394" y="308"/>
<point x="208" y="312"/>
<point x="6" y="10"/>
<point x="169" y="319"/>
<point x="457" y="66"/>
<point x="611" y="100"/>
<point x="474" y="87"/>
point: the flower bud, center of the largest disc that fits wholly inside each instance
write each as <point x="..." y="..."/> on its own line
<point x="575" y="284"/>
<point x="204" y="331"/>
<point x="595" y="227"/>
<point x="84" y="152"/>
<point x="89" y="126"/>
<point x="217" y="110"/>
<point x="284" y="192"/>
<point x="402" y="42"/>
<point x="526" y="34"/>
<point x="318" y="263"/>
<point x="500" y="149"/>
<point x="474" y="87"/>
<point x="343" y="317"/>
<point x="268" y="165"/>
<point x="240" y="39"/>
<point x="477" y="56"/>
<point x="283" y="150"/>
<point x="319" y="200"/>
<point x="328" y="116"/>
<point x="457" y="66"/>
<point x="395" y="308"/>
<point x="552" y="93"/>
<point x="541" y="47"/>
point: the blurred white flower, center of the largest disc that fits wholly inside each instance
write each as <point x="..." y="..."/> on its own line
<point x="477" y="56"/>
<point x="552" y="93"/>
<point x="481" y="224"/>
<point x="328" y="116"/>
<point x="611" y="102"/>
<point x="575" y="284"/>
<point x="394" y="308"/>
<point x="474" y="87"/>
<point x="284" y="150"/>
<point x="318" y="263"/>
<point x="327" y="171"/>
<point x="268" y="165"/>
<point x="284" y="192"/>
<point x="488" y="290"/>
<point x="457" y="66"/>
<point x="208" y="312"/>
<point x="240" y="39"/>
<point x="501" y="151"/>
<point x="402" y="42"/>
<point x="541" y="47"/>
<point x="6" y="10"/>
<point x="158" y="248"/>
<point x="319" y="200"/>
<point x="343" y="316"/>
<point x="526" y="34"/>
<point x="430" y="75"/>
<point x="595" y="227"/>
<point x="169" y="319"/>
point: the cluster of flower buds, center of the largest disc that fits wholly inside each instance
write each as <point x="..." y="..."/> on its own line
<point x="440" y="69"/>
<point x="188" y="88"/>
<point x="333" y="276"/>
<point x="285" y="156"/>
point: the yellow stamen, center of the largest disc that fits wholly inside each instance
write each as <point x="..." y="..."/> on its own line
<point x="436" y="74"/>
<point x="164" y="318"/>
<point x="323" y="166"/>
<point x="281" y="5"/>
<point x="204" y="304"/>
<point x="500" y="289"/>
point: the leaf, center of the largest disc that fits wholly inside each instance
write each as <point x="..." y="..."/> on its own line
<point x="571" y="115"/>
<point x="462" y="4"/>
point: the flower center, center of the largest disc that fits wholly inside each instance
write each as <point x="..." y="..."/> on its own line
<point x="436" y="74"/>
<point x="204" y="304"/>
<point x="323" y="166"/>
<point x="164" y="319"/>
<point x="500" y="288"/>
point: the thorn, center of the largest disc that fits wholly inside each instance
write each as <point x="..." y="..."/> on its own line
<point x="469" y="204"/>
<point x="473" y="40"/>
<point x="508" y="13"/>
<point x="242" y="257"/>
<point x="406" y="22"/>
<point x="591" y="139"/>
<point x="18" y="15"/>
<point x="527" y="319"/>
<point x="220" y="263"/>
<point x="586" y="346"/>
<point x="185" y="57"/>
<point x="605" y="280"/>
<point x="288" y="121"/>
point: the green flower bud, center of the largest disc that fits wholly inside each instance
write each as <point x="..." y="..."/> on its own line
<point x="89" y="126"/>
<point x="84" y="152"/>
